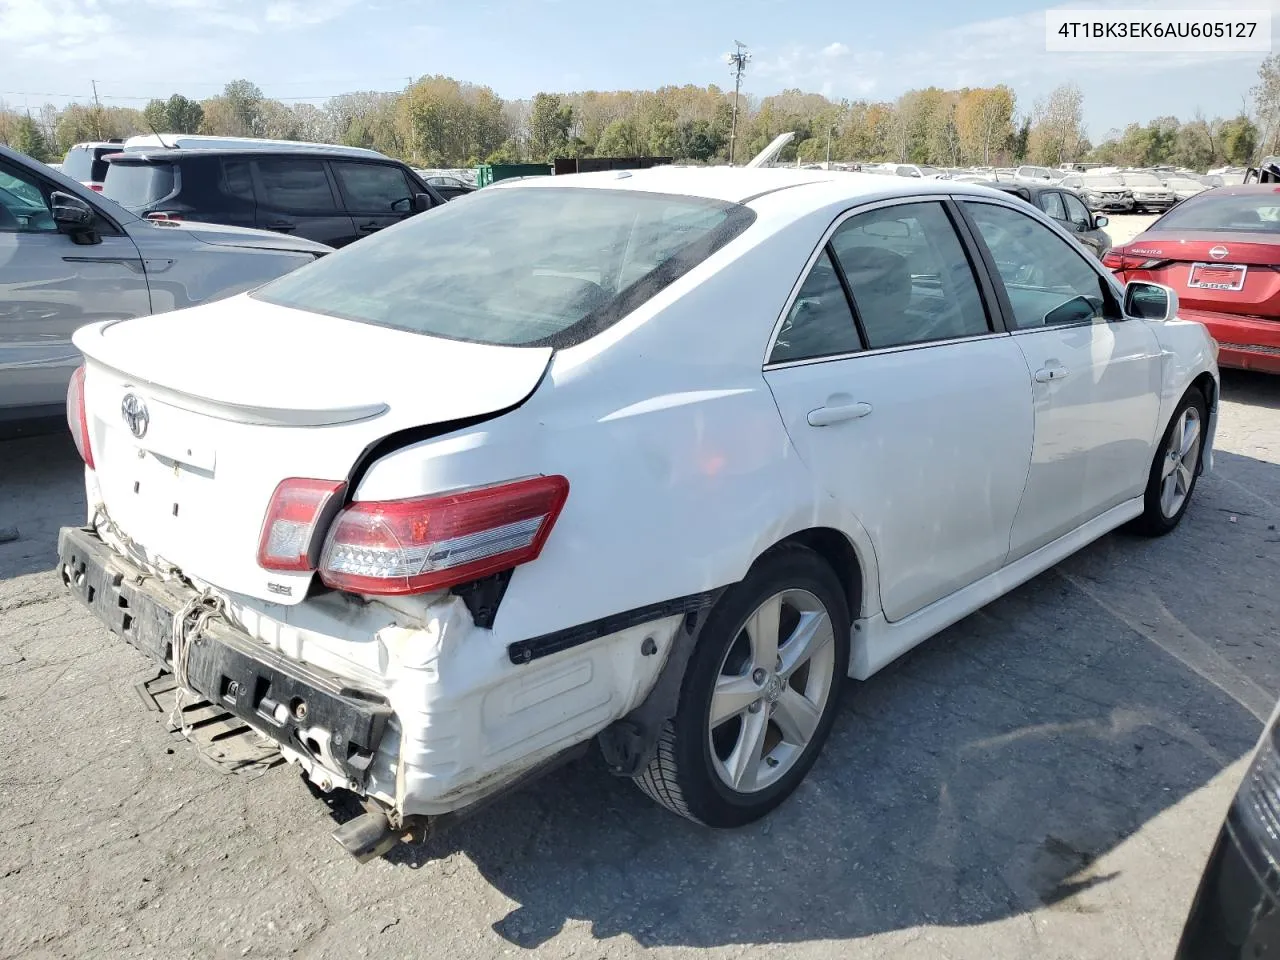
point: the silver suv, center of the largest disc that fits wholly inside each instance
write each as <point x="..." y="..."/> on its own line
<point x="69" y="257"/>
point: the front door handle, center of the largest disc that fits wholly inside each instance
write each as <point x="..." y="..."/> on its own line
<point x="1050" y="374"/>
<point x="826" y="416"/>
<point x="283" y="225"/>
<point x="370" y="227"/>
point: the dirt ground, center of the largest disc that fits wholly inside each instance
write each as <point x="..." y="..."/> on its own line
<point x="1042" y="780"/>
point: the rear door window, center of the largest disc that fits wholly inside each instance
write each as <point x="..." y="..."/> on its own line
<point x="372" y="187"/>
<point x="909" y="275"/>
<point x="296" y="186"/>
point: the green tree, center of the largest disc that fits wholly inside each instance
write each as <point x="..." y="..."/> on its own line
<point x="620" y="139"/>
<point x="1020" y="141"/>
<point x="1239" y="140"/>
<point x="28" y="139"/>
<point x="549" y="124"/>
<point x="244" y="101"/>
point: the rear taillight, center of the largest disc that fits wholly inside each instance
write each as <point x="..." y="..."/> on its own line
<point x="1148" y="265"/>
<point x="77" y="417"/>
<point x="95" y="187"/>
<point x="1113" y="260"/>
<point x="164" y="217"/>
<point x="297" y="517"/>
<point x="430" y="543"/>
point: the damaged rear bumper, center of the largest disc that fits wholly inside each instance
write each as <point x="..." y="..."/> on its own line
<point x="310" y="712"/>
<point x="422" y="714"/>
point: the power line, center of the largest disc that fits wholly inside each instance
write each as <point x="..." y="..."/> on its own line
<point x="143" y="99"/>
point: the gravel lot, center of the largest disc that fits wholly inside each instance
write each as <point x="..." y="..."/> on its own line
<point x="1044" y="779"/>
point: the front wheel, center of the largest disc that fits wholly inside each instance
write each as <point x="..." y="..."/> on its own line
<point x="1176" y="467"/>
<point x="759" y="694"/>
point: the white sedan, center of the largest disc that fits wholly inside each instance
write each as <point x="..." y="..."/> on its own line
<point x="655" y="457"/>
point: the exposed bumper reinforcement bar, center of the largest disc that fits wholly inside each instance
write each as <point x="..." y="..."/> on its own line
<point x="312" y="712"/>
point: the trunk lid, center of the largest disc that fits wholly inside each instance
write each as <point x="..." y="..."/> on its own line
<point x="1191" y="263"/>
<point x="195" y="416"/>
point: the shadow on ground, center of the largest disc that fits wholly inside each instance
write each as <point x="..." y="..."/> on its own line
<point x="41" y="489"/>
<point x="977" y="778"/>
<point x="1255" y="389"/>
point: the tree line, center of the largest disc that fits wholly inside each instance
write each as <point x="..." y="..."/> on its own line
<point x="442" y="122"/>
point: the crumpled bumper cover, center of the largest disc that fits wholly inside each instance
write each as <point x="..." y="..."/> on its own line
<point x="309" y="711"/>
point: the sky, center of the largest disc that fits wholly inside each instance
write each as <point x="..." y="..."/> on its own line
<point x="52" y="50"/>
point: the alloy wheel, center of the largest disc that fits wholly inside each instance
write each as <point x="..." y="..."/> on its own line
<point x="1182" y="457"/>
<point x="771" y="690"/>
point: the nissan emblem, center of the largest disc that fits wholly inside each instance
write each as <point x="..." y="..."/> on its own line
<point x="1219" y="252"/>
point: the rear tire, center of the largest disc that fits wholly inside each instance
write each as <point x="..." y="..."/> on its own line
<point x="759" y="696"/>
<point x="1176" y="467"/>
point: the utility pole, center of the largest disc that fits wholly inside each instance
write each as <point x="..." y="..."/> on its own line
<point x="738" y="61"/>
<point x="97" y="110"/>
<point x="830" y="131"/>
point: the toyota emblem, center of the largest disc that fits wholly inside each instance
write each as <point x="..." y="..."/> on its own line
<point x="1219" y="252"/>
<point x="134" y="411"/>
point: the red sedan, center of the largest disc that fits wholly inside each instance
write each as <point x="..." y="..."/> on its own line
<point x="1220" y="251"/>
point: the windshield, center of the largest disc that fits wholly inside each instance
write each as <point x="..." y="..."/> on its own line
<point x="517" y="266"/>
<point x="135" y="185"/>
<point x="1142" y="180"/>
<point x="1104" y="183"/>
<point x="929" y="171"/>
<point x="1254" y="213"/>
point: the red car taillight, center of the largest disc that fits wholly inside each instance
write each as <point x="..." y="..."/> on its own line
<point x="397" y="547"/>
<point x="1113" y="260"/>
<point x="77" y="417"/>
<point x="95" y="187"/>
<point x="299" y="513"/>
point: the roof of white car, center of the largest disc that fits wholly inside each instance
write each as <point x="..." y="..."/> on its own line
<point x="744" y="184"/>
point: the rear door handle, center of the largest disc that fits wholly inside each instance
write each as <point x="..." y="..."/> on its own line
<point x="281" y="225"/>
<point x="370" y="227"/>
<point x="1047" y="374"/>
<point x="826" y="416"/>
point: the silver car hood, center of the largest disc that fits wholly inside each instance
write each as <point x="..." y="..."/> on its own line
<point x="227" y="236"/>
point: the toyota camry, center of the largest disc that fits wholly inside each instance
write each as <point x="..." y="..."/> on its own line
<point x="654" y="459"/>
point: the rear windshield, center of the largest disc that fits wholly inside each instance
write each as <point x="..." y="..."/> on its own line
<point x="516" y="265"/>
<point x="1105" y="183"/>
<point x="1259" y="212"/>
<point x="135" y="185"/>
<point x="1142" y="180"/>
<point x="86" y="164"/>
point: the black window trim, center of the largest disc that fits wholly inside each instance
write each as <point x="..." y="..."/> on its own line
<point x="410" y="185"/>
<point x="996" y="309"/>
<point x="1088" y="214"/>
<point x="1006" y="307"/>
<point x="260" y="190"/>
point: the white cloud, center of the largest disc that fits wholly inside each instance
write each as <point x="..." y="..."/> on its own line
<point x="1011" y="50"/>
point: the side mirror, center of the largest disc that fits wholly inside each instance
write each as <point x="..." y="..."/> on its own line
<point x="70" y="213"/>
<point x="1150" y="301"/>
<point x="1100" y="222"/>
<point x="421" y="202"/>
<point x="74" y="217"/>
